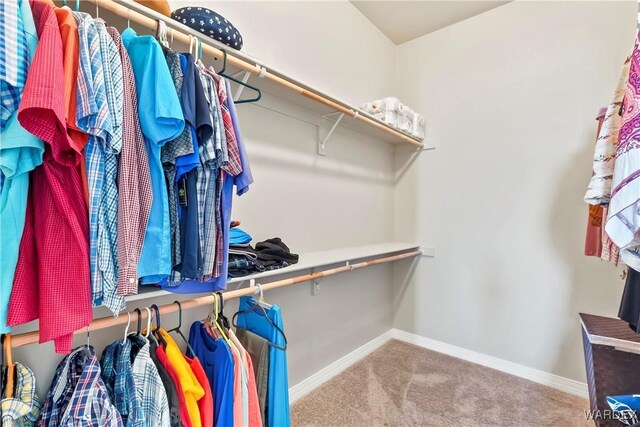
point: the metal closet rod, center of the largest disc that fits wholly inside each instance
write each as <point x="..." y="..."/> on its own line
<point x="133" y="12"/>
<point x="27" y="338"/>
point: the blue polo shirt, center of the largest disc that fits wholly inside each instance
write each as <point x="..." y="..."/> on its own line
<point x="161" y="120"/>
<point x="20" y="152"/>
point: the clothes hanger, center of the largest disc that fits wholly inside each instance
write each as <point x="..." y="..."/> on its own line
<point x="137" y="310"/>
<point x="10" y="367"/>
<point x="178" y="330"/>
<point x="258" y="307"/>
<point x="229" y="77"/>
<point x="126" y="330"/>
<point x="215" y="321"/>
<point x="222" y="319"/>
<point x="161" y="33"/>
<point x="155" y="333"/>
<point x="148" y="330"/>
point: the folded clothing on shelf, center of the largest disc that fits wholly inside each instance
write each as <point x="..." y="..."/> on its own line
<point x="270" y="254"/>
<point x="393" y="112"/>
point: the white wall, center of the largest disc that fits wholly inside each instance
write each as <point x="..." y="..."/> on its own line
<point x="327" y="44"/>
<point x="510" y="98"/>
<point x="312" y="202"/>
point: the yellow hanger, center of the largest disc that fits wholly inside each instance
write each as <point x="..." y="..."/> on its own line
<point x="216" y="309"/>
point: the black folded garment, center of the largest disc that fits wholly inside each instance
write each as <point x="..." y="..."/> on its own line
<point x="271" y="254"/>
<point x="274" y="250"/>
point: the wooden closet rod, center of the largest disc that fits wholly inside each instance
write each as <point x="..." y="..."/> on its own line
<point x="151" y="23"/>
<point x="27" y="338"/>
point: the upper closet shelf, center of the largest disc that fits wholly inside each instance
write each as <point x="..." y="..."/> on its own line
<point x="271" y="80"/>
<point x="307" y="261"/>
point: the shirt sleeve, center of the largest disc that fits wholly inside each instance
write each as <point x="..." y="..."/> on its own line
<point x="159" y="109"/>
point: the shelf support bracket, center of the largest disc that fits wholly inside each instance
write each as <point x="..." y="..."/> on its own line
<point x="322" y="144"/>
<point x="315" y="285"/>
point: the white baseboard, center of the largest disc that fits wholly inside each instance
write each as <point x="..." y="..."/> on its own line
<point x="316" y="380"/>
<point x="560" y="383"/>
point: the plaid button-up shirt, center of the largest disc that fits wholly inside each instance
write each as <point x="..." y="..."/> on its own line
<point x="150" y="390"/>
<point x="24" y="408"/>
<point x="117" y="374"/>
<point x="93" y="117"/>
<point x="108" y="208"/>
<point x="134" y="181"/>
<point x="77" y="396"/>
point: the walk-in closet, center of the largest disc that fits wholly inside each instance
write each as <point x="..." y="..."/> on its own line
<point x="319" y="213"/>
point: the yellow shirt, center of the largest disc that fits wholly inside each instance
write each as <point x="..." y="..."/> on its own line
<point x="191" y="388"/>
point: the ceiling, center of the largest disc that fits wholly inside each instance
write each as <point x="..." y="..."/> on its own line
<point x="402" y="21"/>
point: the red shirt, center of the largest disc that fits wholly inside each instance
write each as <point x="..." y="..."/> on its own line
<point x="52" y="275"/>
<point x="205" y="404"/>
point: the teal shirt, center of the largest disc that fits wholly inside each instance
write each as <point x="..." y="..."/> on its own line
<point x="20" y="152"/>
<point x="161" y="120"/>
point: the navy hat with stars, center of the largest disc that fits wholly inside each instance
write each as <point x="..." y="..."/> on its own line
<point x="209" y="23"/>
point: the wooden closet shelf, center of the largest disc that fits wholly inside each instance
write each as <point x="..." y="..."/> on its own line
<point x="271" y="81"/>
<point x="307" y="261"/>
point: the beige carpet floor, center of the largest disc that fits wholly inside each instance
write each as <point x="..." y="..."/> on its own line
<point x="404" y="385"/>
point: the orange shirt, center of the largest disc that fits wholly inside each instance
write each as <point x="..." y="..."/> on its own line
<point x="191" y="387"/>
<point x="71" y="58"/>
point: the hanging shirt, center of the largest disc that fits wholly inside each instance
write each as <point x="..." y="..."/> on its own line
<point x="191" y="263"/>
<point x="70" y="42"/>
<point x="240" y="391"/>
<point x="189" y="99"/>
<point x="182" y="405"/>
<point x="180" y="146"/>
<point x="244" y="372"/>
<point x="278" y="391"/>
<point x="20" y="152"/>
<point x="150" y="390"/>
<point x="134" y="181"/>
<point x="15" y="59"/>
<point x="117" y="374"/>
<point x="56" y="218"/>
<point x="604" y="158"/>
<point x="255" y="416"/>
<point x="77" y="396"/>
<point x="205" y="404"/>
<point x="191" y="387"/>
<point x="161" y="120"/>
<point x="93" y="117"/>
<point x="240" y="181"/>
<point x="258" y="352"/>
<point x="23" y="409"/>
<point x="217" y="362"/>
<point x="623" y="222"/>
<point x="108" y="205"/>
<point x="209" y="177"/>
<point x="171" y="391"/>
